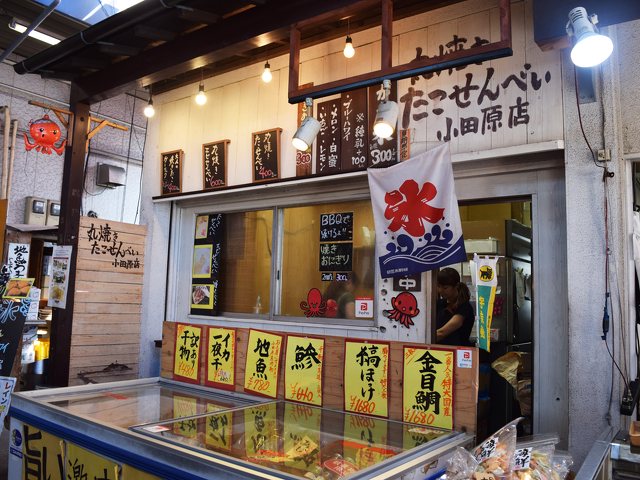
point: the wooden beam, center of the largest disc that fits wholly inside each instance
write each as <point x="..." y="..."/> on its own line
<point x="101" y="124"/>
<point x="150" y="33"/>
<point x="386" y="41"/>
<point x="196" y="15"/>
<point x="118" y="50"/>
<point x="204" y="46"/>
<point x="68" y="231"/>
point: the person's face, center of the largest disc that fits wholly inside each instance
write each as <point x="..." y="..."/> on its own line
<point x="448" y="292"/>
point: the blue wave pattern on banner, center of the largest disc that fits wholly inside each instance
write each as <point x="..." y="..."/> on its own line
<point x="405" y="258"/>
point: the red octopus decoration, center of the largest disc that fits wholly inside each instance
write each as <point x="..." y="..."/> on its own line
<point x="45" y="133"/>
<point x="405" y="307"/>
<point x="314" y="306"/>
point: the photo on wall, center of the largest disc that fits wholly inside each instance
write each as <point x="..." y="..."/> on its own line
<point x="202" y="296"/>
<point x="202" y="261"/>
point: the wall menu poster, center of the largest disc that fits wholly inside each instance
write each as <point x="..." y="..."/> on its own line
<point x="60" y="259"/>
<point x="303" y="369"/>
<point x="354" y="148"/>
<point x="266" y="154"/>
<point x="205" y="267"/>
<point x="427" y="393"/>
<point x="18" y="260"/>
<point x="214" y="164"/>
<point x="366" y="377"/>
<point x="328" y="139"/>
<point x="186" y="356"/>
<point x="263" y="363"/>
<point x="221" y="358"/>
<point x="171" y="181"/>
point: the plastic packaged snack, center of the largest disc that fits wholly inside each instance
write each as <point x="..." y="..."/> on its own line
<point x="495" y="454"/>
<point x="561" y="462"/>
<point x="462" y="465"/>
<point x="532" y="458"/>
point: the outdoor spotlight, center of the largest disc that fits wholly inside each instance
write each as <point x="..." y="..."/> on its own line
<point x="349" y="51"/>
<point x="308" y="130"/>
<point x="266" y="73"/>
<point x="386" y="115"/>
<point x="149" y="111"/>
<point x="201" y="97"/>
<point x="591" y="48"/>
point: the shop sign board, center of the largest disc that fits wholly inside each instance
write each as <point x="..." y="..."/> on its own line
<point x="214" y="164"/>
<point x="171" y="163"/>
<point x="266" y="154"/>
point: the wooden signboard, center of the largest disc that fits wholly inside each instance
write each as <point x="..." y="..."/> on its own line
<point x="171" y="172"/>
<point x="328" y="140"/>
<point x="382" y="153"/>
<point x="214" y="164"/>
<point x="105" y="342"/>
<point x="354" y="149"/>
<point x="266" y="154"/>
<point x="303" y="159"/>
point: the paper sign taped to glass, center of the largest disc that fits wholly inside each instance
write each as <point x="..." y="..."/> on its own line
<point x="416" y="215"/>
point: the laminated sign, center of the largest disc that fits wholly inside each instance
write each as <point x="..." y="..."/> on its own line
<point x="415" y="210"/>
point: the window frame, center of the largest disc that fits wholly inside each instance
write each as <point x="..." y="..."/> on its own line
<point x="275" y="197"/>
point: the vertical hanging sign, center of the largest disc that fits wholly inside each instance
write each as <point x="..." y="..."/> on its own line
<point x="263" y="363"/>
<point x="366" y="375"/>
<point x="214" y="164"/>
<point x="303" y="159"/>
<point x="186" y="363"/>
<point x="266" y="154"/>
<point x="354" y="148"/>
<point x="486" y="281"/>
<point x="221" y="358"/>
<point x="382" y="152"/>
<point x="328" y="140"/>
<point x="303" y="370"/>
<point x="60" y="259"/>
<point x="207" y="255"/>
<point x="171" y="181"/>
<point x="427" y="387"/>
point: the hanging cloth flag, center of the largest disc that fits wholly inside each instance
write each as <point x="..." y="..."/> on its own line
<point x="486" y="281"/>
<point x="416" y="215"/>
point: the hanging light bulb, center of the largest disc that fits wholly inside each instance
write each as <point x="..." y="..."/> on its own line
<point x="308" y="130"/>
<point x="149" y="111"/>
<point x="386" y="115"/>
<point x="201" y="97"/>
<point x="266" y="73"/>
<point x="349" y="51"/>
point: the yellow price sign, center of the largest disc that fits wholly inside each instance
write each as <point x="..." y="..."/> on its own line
<point x="221" y="358"/>
<point x="303" y="369"/>
<point x="427" y="388"/>
<point x="263" y="363"/>
<point x="82" y="463"/>
<point x="186" y="356"/>
<point x="366" y="375"/>
<point x="42" y="448"/>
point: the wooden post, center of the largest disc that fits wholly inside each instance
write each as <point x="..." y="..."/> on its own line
<point x="68" y="229"/>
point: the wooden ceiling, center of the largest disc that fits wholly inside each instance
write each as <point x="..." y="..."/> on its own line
<point x="169" y="43"/>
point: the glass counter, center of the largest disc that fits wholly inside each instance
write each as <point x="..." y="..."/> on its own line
<point x="291" y="440"/>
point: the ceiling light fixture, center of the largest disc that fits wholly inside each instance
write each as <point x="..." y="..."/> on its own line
<point x="149" y="111"/>
<point x="308" y="130"/>
<point x="591" y="48"/>
<point x="348" y="51"/>
<point x="43" y="37"/>
<point x="266" y="73"/>
<point x="201" y="97"/>
<point x="386" y="115"/>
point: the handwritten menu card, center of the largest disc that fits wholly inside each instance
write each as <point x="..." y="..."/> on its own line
<point x="336" y="226"/>
<point x="221" y="358"/>
<point x="214" y="164"/>
<point x="328" y="140"/>
<point x="382" y="153"/>
<point x="303" y="369"/>
<point x="263" y="363"/>
<point x="354" y="146"/>
<point x="186" y="356"/>
<point x="366" y="376"/>
<point x="266" y="154"/>
<point x="171" y="171"/>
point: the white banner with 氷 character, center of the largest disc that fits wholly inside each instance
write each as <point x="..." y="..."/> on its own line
<point x="486" y="280"/>
<point x="415" y="210"/>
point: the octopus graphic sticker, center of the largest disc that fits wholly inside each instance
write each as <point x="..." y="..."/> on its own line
<point x="405" y="307"/>
<point x="315" y="306"/>
<point x="415" y="211"/>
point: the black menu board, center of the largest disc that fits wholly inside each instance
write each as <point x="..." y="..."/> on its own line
<point x="336" y="257"/>
<point x="382" y="153"/>
<point x="354" y="148"/>
<point x="336" y="226"/>
<point x="266" y="154"/>
<point x="214" y="164"/>
<point x="171" y="172"/>
<point x="328" y="140"/>
<point x="13" y="315"/>
<point x="207" y="259"/>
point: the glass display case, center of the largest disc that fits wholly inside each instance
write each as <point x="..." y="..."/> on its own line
<point x="173" y="431"/>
